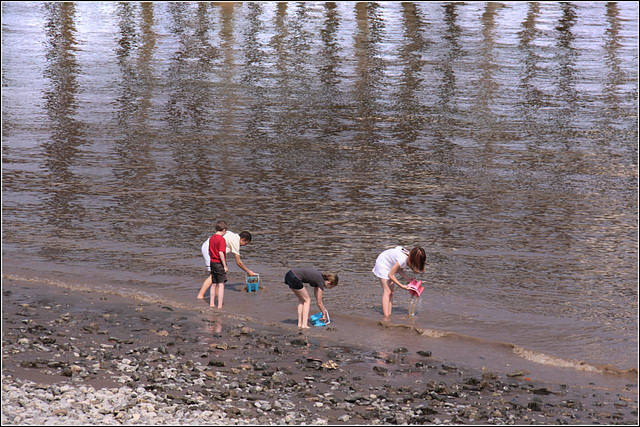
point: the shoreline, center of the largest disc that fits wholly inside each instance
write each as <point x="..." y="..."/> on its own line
<point x="82" y="357"/>
<point x="271" y="307"/>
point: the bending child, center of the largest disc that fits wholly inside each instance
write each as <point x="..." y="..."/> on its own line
<point x="295" y="279"/>
<point x="394" y="261"/>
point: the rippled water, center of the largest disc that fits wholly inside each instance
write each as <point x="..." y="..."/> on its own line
<point x="502" y="137"/>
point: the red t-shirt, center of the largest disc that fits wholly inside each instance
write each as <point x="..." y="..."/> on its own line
<point x="217" y="244"/>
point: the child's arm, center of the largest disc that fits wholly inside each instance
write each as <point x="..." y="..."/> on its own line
<point x="392" y="275"/>
<point x="223" y="258"/>
<point x="404" y="275"/>
<point x="240" y="264"/>
<point x="222" y="248"/>
<point x="318" y="293"/>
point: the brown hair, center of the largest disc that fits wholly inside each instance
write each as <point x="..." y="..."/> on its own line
<point x="417" y="258"/>
<point x="221" y="226"/>
<point x="332" y="278"/>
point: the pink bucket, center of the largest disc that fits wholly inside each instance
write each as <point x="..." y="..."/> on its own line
<point x="416" y="288"/>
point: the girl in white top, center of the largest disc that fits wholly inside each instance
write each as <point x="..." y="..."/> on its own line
<point x="394" y="261"/>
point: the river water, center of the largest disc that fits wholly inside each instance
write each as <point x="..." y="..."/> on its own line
<point x="501" y="137"/>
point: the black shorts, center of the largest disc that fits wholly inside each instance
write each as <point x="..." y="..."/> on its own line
<point x="217" y="273"/>
<point x="292" y="281"/>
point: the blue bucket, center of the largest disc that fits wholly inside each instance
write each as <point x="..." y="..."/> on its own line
<point x="315" y="319"/>
<point x="253" y="283"/>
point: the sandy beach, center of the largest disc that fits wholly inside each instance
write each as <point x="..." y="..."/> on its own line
<point x="72" y="357"/>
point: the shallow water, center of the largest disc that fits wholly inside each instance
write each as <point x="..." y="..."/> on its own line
<point x="500" y="137"/>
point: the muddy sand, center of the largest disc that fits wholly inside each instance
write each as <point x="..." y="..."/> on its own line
<point x="77" y="357"/>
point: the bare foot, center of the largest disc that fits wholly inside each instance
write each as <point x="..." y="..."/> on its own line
<point x="199" y="297"/>
<point x="303" y="327"/>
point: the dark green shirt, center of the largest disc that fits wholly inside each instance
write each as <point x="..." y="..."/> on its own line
<point x="310" y="275"/>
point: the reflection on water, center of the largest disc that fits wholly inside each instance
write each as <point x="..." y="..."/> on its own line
<point x="61" y="151"/>
<point x="501" y="137"/>
<point x="615" y="74"/>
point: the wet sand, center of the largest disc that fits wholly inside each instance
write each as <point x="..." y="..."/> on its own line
<point x="74" y="356"/>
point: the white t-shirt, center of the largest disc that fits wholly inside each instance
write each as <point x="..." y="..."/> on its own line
<point x="233" y="242"/>
<point x="233" y="246"/>
<point x="387" y="259"/>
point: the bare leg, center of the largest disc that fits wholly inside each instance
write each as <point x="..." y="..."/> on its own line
<point x="220" y="294"/>
<point x="304" y="306"/>
<point x="205" y="285"/>
<point x="212" y="293"/>
<point x="387" y="296"/>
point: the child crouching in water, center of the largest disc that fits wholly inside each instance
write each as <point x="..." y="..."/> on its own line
<point x="295" y="279"/>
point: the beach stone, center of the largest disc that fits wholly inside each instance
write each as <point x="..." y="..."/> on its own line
<point x="424" y="353"/>
<point x="472" y="381"/>
<point x="574" y="404"/>
<point x="535" y="404"/>
<point x="400" y="350"/>
<point x="380" y="370"/>
<point x="313" y="364"/>
<point x="370" y="414"/>
<point x="353" y="398"/>
<point x="263" y="404"/>
<point x="330" y="365"/>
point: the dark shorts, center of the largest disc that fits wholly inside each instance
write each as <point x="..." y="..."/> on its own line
<point x="292" y="281"/>
<point x="217" y="273"/>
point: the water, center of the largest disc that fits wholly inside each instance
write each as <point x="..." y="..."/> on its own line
<point x="503" y="138"/>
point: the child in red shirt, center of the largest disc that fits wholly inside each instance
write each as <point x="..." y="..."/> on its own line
<point x="218" y="263"/>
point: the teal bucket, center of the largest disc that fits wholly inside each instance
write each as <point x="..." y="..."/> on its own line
<point x="253" y="283"/>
